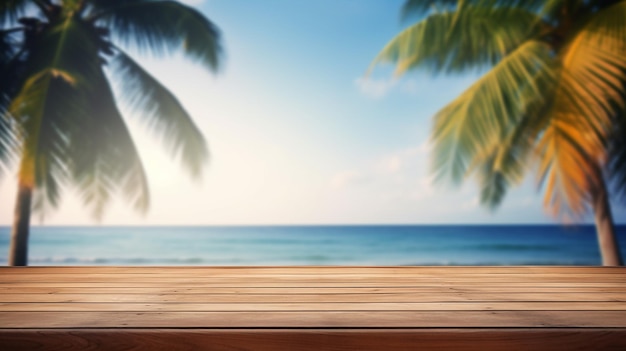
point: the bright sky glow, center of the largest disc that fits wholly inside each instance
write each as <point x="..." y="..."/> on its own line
<point x="297" y="134"/>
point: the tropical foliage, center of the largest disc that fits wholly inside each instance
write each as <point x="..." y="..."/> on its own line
<point x="551" y="98"/>
<point x="60" y="123"/>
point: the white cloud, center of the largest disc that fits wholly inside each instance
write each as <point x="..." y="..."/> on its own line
<point x="405" y="159"/>
<point x="398" y="187"/>
<point x="411" y="87"/>
<point x="193" y="2"/>
<point x="399" y="176"/>
<point x="423" y="148"/>
<point x="426" y="184"/>
<point x="527" y="201"/>
<point x="471" y="204"/>
<point x="421" y="189"/>
<point x="393" y="163"/>
<point x="375" y="88"/>
<point x="345" y="178"/>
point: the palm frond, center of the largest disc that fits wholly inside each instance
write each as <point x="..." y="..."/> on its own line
<point x="589" y="97"/>
<point x="491" y="108"/>
<point x="11" y="67"/>
<point x="8" y="47"/>
<point x="420" y="8"/>
<point x="11" y="10"/>
<point x="567" y="168"/>
<point x="617" y="157"/>
<point x="554" y="97"/>
<point x="161" y="27"/>
<point x="493" y="185"/>
<point x="595" y="68"/>
<point x="69" y="48"/>
<point x="506" y="163"/>
<point x="451" y="42"/>
<point x="556" y="9"/>
<point x="162" y="112"/>
<point x="570" y="149"/>
<point x="103" y="156"/>
<point x="72" y="131"/>
<point x="7" y="142"/>
<point x="44" y="139"/>
<point x="49" y="106"/>
<point x="9" y="83"/>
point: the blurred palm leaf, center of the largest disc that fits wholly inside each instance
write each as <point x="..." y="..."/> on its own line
<point x="489" y="110"/>
<point x="8" y="84"/>
<point x="449" y="41"/>
<point x="160" y="27"/>
<point x="555" y="86"/>
<point x="162" y="112"/>
<point x="11" y="10"/>
<point x="59" y="111"/>
<point x="104" y="157"/>
<point x="553" y="101"/>
<point x="617" y="157"/>
<point x="420" y="8"/>
<point x="49" y="106"/>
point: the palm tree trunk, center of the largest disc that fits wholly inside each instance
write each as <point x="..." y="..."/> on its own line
<point x="607" y="240"/>
<point x="18" y="252"/>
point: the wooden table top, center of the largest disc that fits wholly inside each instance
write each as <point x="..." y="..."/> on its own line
<point x="342" y="308"/>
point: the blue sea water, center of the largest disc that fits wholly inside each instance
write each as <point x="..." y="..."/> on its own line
<point x="314" y="245"/>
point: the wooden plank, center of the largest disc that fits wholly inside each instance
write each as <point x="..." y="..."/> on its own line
<point x="342" y="340"/>
<point x="330" y="306"/>
<point x="325" y="270"/>
<point x="12" y="289"/>
<point x="315" y="340"/>
<point x="304" y="271"/>
<point x="316" y="319"/>
<point x="404" y="278"/>
<point x="321" y="298"/>
<point x="312" y="297"/>
<point x="310" y="285"/>
<point x="403" y="308"/>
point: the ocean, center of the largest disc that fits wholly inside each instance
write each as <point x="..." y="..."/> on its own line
<point x="313" y="245"/>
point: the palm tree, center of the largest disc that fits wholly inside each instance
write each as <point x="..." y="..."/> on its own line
<point x="60" y="122"/>
<point x="551" y="99"/>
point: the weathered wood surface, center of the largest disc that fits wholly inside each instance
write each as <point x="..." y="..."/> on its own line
<point x="312" y="308"/>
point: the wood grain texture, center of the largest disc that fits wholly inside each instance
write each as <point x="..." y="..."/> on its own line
<point x="309" y="278"/>
<point x="317" y="298"/>
<point x="316" y="270"/>
<point x="329" y="306"/>
<point x="315" y="340"/>
<point x="209" y="283"/>
<point x="315" y="319"/>
<point x="13" y="289"/>
<point x="312" y="308"/>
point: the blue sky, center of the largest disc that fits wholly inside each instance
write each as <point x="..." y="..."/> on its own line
<point x="297" y="134"/>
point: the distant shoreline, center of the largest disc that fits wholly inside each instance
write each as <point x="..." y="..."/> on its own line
<point x="311" y="225"/>
<point x="363" y="245"/>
